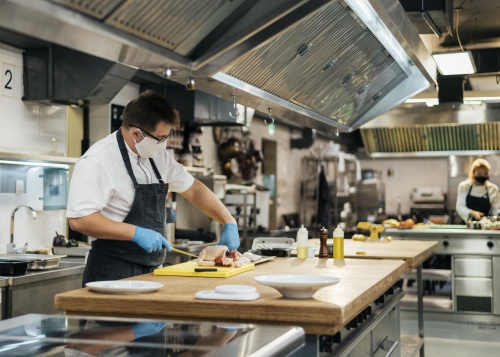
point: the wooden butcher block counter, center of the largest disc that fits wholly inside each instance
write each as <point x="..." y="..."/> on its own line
<point x="413" y="252"/>
<point x="361" y="282"/>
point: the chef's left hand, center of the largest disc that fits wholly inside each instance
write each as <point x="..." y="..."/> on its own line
<point x="230" y="236"/>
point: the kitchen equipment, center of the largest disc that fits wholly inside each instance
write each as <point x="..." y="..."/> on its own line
<point x="280" y="247"/>
<point x="297" y="286"/>
<point x="375" y="229"/>
<point x="47" y="188"/>
<point x="426" y="201"/>
<point x="35" y="261"/>
<point x="183" y="252"/>
<point x="13" y="267"/>
<point x="187" y="269"/>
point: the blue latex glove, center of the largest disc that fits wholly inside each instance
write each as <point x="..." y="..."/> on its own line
<point x="230" y="236"/>
<point x="142" y="329"/>
<point x="150" y="240"/>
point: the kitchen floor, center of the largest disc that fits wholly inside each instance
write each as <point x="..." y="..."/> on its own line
<point x="455" y="339"/>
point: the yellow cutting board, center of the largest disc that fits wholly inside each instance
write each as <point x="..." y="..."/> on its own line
<point x="187" y="269"/>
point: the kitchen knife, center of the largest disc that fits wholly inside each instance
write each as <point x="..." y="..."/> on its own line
<point x="183" y="252"/>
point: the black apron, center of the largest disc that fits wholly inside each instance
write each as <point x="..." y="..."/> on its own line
<point x="480" y="204"/>
<point x="118" y="259"/>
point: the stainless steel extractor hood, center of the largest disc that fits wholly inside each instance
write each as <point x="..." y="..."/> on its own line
<point x="443" y="130"/>
<point x="320" y="63"/>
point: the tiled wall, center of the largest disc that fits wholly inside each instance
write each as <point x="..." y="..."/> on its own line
<point x="27" y="127"/>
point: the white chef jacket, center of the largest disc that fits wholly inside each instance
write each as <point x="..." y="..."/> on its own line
<point x="101" y="183"/>
<point x="477" y="191"/>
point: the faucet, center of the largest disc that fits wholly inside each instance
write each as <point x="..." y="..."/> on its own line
<point x="11" y="248"/>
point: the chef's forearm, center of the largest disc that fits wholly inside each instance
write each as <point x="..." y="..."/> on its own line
<point x="208" y="203"/>
<point x="98" y="226"/>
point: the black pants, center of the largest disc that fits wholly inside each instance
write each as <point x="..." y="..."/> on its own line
<point x="102" y="267"/>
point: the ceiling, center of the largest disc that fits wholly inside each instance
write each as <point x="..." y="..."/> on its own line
<point x="474" y="24"/>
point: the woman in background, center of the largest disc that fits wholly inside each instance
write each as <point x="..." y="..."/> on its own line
<point x="477" y="196"/>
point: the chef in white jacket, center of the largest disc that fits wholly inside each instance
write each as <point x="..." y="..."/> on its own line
<point x="118" y="189"/>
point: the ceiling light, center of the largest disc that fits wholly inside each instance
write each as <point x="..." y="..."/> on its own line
<point x="451" y="63"/>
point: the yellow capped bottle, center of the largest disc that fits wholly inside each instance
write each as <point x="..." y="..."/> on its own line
<point x="302" y="239"/>
<point x="338" y="243"/>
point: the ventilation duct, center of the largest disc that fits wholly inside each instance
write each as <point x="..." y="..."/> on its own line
<point x="65" y="76"/>
<point x="436" y="131"/>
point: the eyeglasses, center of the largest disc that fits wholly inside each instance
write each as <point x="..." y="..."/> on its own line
<point x="160" y="140"/>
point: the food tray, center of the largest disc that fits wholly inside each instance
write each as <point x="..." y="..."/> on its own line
<point x="266" y="246"/>
<point x="71" y="251"/>
<point x="35" y="261"/>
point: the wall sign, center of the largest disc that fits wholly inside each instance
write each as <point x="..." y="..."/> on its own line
<point x="9" y="80"/>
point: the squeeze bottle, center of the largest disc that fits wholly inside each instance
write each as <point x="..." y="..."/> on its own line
<point x="338" y="243"/>
<point x="302" y="238"/>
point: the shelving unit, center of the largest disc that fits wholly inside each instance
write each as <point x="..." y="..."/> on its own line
<point x="242" y="203"/>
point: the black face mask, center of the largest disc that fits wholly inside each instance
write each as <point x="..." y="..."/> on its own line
<point x="481" y="179"/>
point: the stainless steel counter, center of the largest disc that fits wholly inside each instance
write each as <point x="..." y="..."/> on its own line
<point x="65" y="268"/>
<point x="454" y="241"/>
<point x="34" y="292"/>
<point x="56" y="335"/>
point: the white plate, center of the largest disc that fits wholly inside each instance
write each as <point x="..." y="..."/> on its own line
<point x="124" y="286"/>
<point x="297" y="286"/>
<point x="214" y="295"/>
<point x="235" y="289"/>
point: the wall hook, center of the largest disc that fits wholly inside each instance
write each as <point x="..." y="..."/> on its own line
<point x="236" y="111"/>
<point x="270" y="117"/>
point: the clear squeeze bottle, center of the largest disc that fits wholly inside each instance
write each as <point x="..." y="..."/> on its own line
<point x="302" y="239"/>
<point x="338" y="243"/>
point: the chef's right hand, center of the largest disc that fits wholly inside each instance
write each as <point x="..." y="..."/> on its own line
<point x="150" y="240"/>
<point x="476" y="215"/>
<point x="142" y="329"/>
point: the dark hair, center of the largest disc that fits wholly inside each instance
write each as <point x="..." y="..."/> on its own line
<point x="148" y="109"/>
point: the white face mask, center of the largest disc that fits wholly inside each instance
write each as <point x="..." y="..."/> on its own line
<point x="149" y="147"/>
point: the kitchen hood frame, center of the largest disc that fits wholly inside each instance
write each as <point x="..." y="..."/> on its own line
<point x="233" y="31"/>
<point x="438" y="131"/>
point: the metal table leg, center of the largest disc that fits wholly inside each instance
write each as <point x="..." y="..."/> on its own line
<point x="420" y="308"/>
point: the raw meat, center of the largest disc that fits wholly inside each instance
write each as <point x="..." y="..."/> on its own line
<point x="218" y="255"/>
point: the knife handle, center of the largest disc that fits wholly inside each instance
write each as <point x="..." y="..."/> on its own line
<point x="200" y="270"/>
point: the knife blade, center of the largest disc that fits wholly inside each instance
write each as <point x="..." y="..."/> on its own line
<point x="183" y="252"/>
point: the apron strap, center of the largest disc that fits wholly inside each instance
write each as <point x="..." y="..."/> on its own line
<point x="126" y="158"/>
<point x="155" y="169"/>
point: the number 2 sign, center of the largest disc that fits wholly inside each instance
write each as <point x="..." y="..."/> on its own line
<point x="8" y="74"/>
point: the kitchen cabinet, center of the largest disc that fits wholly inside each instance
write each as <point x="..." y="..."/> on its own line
<point x="34" y="292"/>
<point x="475" y="294"/>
